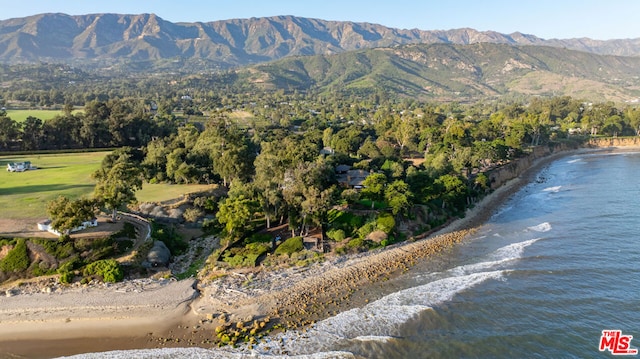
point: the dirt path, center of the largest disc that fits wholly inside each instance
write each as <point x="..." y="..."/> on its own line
<point x="143" y="233"/>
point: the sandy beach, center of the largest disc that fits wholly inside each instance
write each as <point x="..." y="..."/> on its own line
<point x="30" y="321"/>
<point x="167" y="313"/>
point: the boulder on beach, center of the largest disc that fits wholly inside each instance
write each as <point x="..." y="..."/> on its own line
<point x="377" y="236"/>
<point x="159" y="255"/>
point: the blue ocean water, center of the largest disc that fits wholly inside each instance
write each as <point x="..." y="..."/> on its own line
<point x="555" y="265"/>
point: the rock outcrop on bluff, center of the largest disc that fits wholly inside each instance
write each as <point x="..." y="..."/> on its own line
<point x="159" y="255"/>
<point x="615" y="142"/>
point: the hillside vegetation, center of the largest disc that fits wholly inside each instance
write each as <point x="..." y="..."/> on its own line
<point x="436" y="72"/>
<point x="459" y="73"/>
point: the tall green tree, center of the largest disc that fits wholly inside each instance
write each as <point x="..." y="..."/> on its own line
<point x="229" y="149"/>
<point x="117" y="182"/>
<point x="452" y="190"/>
<point x="94" y="130"/>
<point x="268" y="182"/>
<point x="66" y="214"/>
<point x="9" y="131"/>
<point x="613" y="126"/>
<point x="403" y="131"/>
<point x="399" y="197"/>
<point x="307" y="191"/>
<point x="235" y="213"/>
<point x="374" y="186"/>
<point x="32" y="134"/>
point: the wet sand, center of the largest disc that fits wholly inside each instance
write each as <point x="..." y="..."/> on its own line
<point x="95" y="318"/>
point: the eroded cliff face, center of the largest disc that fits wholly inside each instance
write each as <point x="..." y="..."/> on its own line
<point x="501" y="175"/>
<point x="615" y="142"/>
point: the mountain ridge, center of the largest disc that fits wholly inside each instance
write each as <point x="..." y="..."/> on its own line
<point x="451" y="72"/>
<point x="236" y="42"/>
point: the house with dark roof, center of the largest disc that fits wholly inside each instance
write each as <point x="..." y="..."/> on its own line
<point x="350" y="178"/>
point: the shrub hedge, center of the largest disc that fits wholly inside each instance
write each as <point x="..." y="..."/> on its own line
<point x="17" y="260"/>
<point x="108" y="269"/>
<point x="290" y="246"/>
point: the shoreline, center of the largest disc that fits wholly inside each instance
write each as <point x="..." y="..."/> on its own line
<point x="176" y="319"/>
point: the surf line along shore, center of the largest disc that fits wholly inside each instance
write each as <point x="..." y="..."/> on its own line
<point x="172" y="314"/>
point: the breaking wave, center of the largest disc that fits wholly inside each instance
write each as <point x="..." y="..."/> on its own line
<point x="542" y="227"/>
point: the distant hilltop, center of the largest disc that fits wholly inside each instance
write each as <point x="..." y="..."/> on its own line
<point x="237" y="42"/>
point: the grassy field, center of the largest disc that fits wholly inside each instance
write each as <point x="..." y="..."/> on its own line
<point x="24" y="194"/>
<point x="21" y="115"/>
<point x="246" y="119"/>
<point x="163" y="192"/>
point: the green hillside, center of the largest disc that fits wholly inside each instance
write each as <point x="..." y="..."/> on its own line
<point x="459" y="72"/>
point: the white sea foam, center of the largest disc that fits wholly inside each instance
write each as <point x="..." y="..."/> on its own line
<point x="554" y="189"/>
<point x="501" y="210"/>
<point x="477" y="267"/>
<point x="515" y="250"/>
<point x="500" y="257"/>
<point x="575" y="160"/>
<point x="201" y="353"/>
<point x="542" y="227"/>
<point x="377" y="318"/>
<point x="380" y="319"/>
<point x="374" y="338"/>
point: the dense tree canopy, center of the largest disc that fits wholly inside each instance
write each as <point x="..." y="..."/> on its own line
<point x="66" y="214"/>
<point x="117" y="180"/>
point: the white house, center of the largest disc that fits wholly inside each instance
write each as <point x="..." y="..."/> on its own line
<point x="46" y="226"/>
<point x="19" y="166"/>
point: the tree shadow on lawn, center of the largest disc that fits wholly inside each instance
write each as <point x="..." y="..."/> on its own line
<point x="42" y="188"/>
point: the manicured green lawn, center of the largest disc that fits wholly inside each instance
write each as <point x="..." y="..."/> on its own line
<point x="25" y="194"/>
<point x="162" y="192"/>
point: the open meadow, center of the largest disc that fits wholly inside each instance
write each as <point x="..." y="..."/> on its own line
<point x="21" y="115"/>
<point x="159" y="192"/>
<point x="23" y="195"/>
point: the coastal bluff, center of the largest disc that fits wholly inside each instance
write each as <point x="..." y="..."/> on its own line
<point x="501" y="175"/>
<point x="615" y="142"/>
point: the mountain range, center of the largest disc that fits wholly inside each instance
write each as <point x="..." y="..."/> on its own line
<point x="236" y="42"/>
<point x="288" y="52"/>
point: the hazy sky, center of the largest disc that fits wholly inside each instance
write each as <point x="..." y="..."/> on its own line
<point x="548" y="19"/>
